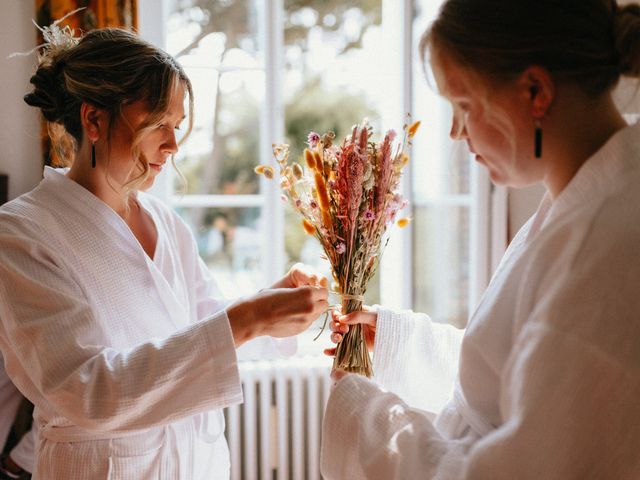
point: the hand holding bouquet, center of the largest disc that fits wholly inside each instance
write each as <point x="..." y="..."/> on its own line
<point x="347" y="195"/>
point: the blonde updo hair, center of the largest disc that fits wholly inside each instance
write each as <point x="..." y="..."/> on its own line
<point x="589" y="42"/>
<point x="107" y="68"/>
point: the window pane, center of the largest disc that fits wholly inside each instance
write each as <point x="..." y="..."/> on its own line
<point x="441" y="255"/>
<point x="332" y="77"/>
<point x="220" y="155"/>
<point x="214" y="33"/>
<point x="217" y="43"/>
<point x="441" y="195"/>
<point x="229" y="242"/>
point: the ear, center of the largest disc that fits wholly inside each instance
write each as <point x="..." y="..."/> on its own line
<point x="539" y="88"/>
<point x="94" y="121"/>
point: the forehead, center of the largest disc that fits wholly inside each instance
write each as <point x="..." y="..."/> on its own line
<point x="452" y="79"/>
<point x="140" y="109"/>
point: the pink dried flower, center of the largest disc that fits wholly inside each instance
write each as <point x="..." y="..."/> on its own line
<point x="313" y="204"/>
<point x="341" y="248"/>
<point x="312" y="139"/>
<point x="298" y="203"/>
<point x="392" y="135"/>
<point x="369" y="215"/>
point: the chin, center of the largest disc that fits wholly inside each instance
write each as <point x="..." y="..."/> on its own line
<point x="147" y="184"/>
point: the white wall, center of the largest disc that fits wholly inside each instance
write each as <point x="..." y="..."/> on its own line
<point x="20" y="155"/>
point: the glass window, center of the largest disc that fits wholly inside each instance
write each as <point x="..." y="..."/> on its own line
<point x="441" y="198"/>
<point x="330" y="73"/>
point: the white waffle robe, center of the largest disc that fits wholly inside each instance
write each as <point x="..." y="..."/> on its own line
<point x="128" y="360"/>
<point x="549" y="374"/>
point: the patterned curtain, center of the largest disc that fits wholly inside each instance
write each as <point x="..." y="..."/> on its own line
<point x="96" y="14"/>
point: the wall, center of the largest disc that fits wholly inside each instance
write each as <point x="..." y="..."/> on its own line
<point x="20" y="155"/>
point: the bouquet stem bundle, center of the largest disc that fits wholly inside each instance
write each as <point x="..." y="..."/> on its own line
<point x="347" y="196"/>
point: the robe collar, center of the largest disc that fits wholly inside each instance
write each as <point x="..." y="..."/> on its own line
<point x="615" y="164"/>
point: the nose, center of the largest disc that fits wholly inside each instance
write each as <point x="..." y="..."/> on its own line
<point x="170" y="144"/>
<point x="458" y="128"/>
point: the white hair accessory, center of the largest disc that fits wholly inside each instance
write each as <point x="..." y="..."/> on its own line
<point x="55" y="38"/>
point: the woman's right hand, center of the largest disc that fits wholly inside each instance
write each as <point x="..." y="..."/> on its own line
<point x="340" y="325"/>
<point x="278" y="312"/>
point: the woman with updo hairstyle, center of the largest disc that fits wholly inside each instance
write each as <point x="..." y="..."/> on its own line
<point x="544" y="383"/>
<point x="111" y="324"/>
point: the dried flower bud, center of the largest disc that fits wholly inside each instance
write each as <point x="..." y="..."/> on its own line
<point x="323" y="196"/>
<point x="308" y="227"/>
<point x="413" y="129"/>
<point x="265" y="170"/>
<point x="297" y="171"/>
<point x="326" y="219"/>
<point x="318" y="161"/>
<point x="312" y="139"/>
<point x="404" y="159"/>
<point x="403" y="222"/>
<point x="269" y="172"/>
<point x="327" y="139"/>
<point x="309" y="158"/>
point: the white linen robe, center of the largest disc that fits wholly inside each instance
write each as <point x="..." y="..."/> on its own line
<point x="549" y="377"/>
<point x="127" y="359"/>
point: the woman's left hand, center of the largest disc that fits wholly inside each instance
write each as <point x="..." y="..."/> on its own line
<point x="301" y="275"/>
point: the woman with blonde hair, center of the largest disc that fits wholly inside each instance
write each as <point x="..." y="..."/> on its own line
<point x="110" y="322"/>
<point x="548" y="382"/>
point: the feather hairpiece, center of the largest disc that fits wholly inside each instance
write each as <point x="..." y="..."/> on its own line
<point x="56" y="39"/>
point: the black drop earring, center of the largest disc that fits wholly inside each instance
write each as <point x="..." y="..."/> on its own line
<point x="538" y="140"/>
<point x="93" y="155"/>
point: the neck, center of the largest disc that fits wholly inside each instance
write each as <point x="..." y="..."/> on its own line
<point x="95" y="180"/>
<point x="575" y="134"/>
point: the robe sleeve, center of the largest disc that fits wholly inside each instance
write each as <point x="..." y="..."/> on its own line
<point x="99" y="388"/>
<point x="407" y="343"/>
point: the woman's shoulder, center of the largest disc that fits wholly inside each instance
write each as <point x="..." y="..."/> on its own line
<point x="25" y="212"/>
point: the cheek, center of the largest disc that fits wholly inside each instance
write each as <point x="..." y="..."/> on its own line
<point x="484" y="134"/>
<point x="152" y="141"/>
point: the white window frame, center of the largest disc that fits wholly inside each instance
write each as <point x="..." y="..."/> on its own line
<point x="488" y="237"/>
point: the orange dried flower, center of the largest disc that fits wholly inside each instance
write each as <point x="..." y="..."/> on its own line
<point x="326" y="218"/>
<point x="318" y="161"/>
<point x="323" y="196"/>
<point x="403" y="222"/>
<point x="309" y="158"/>
<point x="265" y="170"/>
<point x="413" y="129"/>
<point x="310" y="229"/>
<point x="297" y="171"/>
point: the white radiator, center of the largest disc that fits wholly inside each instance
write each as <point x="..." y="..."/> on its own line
<point x="275" y="433"/>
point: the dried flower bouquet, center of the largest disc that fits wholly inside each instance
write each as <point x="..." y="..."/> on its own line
<point x="347" y="195"/>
